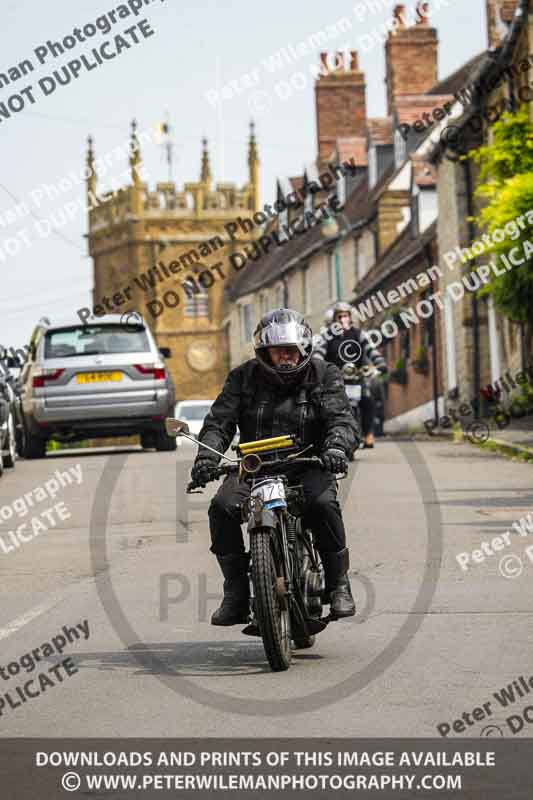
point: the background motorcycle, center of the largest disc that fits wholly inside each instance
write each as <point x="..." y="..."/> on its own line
<point x="355" y="379"/>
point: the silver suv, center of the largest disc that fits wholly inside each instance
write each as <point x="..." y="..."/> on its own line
<point x="106" y="378"/>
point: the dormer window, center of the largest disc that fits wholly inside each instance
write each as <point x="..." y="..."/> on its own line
<point x="341" y="190"/>
<point x="283" y="223"/>
<point x="372" y="166"/>
<point x="400" y="148"/>
<point x="415" y="211"/>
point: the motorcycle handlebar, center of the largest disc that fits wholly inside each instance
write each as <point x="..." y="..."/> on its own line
<point x="227" y="469"/>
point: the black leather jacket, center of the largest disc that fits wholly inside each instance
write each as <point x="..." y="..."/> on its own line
<point x="341" y="349"/>
<point x="316" y="410"/>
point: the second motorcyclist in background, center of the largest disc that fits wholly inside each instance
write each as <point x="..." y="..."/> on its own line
<point x="352" y="346"/>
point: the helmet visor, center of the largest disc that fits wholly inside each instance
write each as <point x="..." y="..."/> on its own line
<point x="279" y="334"/>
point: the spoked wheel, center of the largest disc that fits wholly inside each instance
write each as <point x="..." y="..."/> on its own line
<point x="270" y="598"/>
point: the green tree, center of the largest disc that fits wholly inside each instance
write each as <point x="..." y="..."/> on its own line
<point x="506" y="175"/>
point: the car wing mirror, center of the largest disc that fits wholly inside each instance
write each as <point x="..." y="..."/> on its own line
<point x="166" y="352"/>
<point x="175" y="427"/>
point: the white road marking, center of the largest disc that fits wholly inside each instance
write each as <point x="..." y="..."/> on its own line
<point x="18" y="623"/>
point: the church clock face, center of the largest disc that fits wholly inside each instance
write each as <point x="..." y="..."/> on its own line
<point x="201" y="356"/>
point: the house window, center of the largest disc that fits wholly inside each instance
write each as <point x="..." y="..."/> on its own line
<point x="197" y="305"/>
<point x="246" y="317"/>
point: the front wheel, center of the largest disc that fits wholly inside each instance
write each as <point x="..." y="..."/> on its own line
<point x="270" y="600"/>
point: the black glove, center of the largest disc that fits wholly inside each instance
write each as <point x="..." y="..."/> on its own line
<point x="335" y="460"/>
<point x="204" y="469"/>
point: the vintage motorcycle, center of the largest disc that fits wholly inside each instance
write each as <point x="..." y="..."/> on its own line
<point x="286" y="575"/>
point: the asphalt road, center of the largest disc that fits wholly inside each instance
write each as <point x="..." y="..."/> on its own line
<point x="430" y="642"/>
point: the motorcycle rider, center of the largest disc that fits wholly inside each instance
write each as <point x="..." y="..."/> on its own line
<point x="282" y="390"/>
<point x="352" y="346"/>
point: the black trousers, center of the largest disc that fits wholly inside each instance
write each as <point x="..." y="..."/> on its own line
<point x="367" y="407"/>
<point x="322" y="513"/>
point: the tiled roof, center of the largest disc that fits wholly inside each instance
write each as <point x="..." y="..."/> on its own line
<point x="380" y="130"/>
<point x="272" y="266"/>
<point x="402" y="250"/>
<point x="454" y="82"/>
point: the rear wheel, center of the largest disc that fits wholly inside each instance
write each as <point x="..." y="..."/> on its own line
<point x="163" y="442"/>
<point x="35" y="447"/>
<point x="270" y="601"/>
<point x="311" y="587"/>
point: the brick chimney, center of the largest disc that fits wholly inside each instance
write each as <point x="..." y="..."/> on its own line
<point x="500" y="15"/>
<point x="410" y="55"/>
<point x="340" y="93"/>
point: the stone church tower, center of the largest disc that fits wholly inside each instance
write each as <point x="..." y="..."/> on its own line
<point x="170" y="250"/>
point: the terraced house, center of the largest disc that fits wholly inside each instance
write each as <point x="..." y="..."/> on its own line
<point x="403" y="210"/>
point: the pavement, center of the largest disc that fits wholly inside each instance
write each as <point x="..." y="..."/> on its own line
<point x="519" y="434"/>
<point x="131" y="566"/>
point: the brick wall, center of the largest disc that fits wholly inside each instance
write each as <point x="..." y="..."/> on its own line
<point x="411" y="55"/>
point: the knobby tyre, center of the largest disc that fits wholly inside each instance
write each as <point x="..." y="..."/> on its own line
<point x="272" y="617"/>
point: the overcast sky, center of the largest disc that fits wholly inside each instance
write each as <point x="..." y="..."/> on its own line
<point x="197" y="47"/>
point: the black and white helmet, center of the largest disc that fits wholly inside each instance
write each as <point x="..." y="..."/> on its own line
<point x="331" y="313"/>
<point x="283" y="327"/>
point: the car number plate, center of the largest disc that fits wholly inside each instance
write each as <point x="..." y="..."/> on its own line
<point x="353" y="392"/>
<point x="98" y="377"/>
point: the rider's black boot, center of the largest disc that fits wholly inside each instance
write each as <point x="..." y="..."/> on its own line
<point x="338" y="592"/>
<point x="235" y="606"/>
